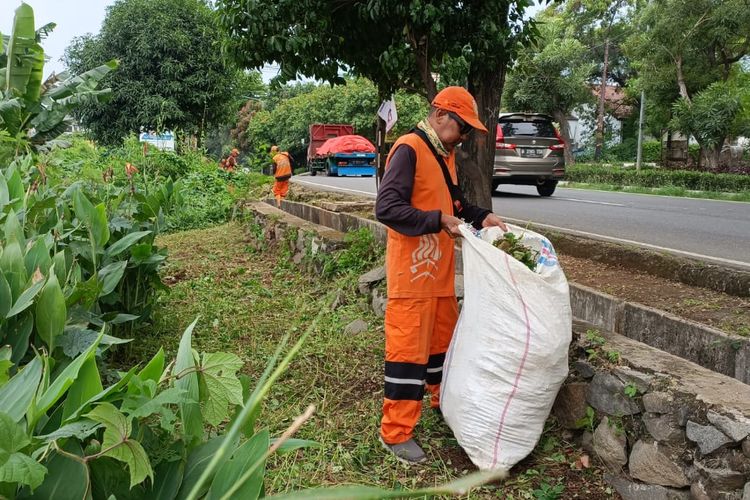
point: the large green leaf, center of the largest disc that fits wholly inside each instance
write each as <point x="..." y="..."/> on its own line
<point x="87" y="385"/>
<point x="37" y="257"/>
<point x="167" y="480"/>
<point x="16" y="188"/>
<point x="11" y="263"/>
<point x="63" y="381"/>
<point x="4" y="193"/>
<point x="18" y="330"/>
<point x="232" y="470"/>
<point x="110" y="393"/>
<point x="154" y="368"/>
<point x="51" y="312"/>
<point x="110" y="275"/>
<point x="94" y="217"/>
<point x="120" y="445"/>
<point x="295" y="444"/>
<point x="22" y="469"/>
<point x="21" y="41"/>
<point x="6" y="297"/>
<point x="26" y="298"/>
<point x="66" y="477"/>
<point x="197" y="461"/>
<point x="184" y="367"/>
<point x="80" y="429"/>
<point x="218" y="371"/>
<point x="17" y="394"/>
<point x="13" y="229"/>
<point x="13" y="438"/>
<point x="89" y="80"/>
<point x="5" y="364"/>
<point x="125" y="242"/>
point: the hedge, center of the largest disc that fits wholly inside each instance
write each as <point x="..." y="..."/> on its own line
<point x="657" y="177"/>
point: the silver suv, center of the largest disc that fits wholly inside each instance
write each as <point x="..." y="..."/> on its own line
<point x="528" y="151"/>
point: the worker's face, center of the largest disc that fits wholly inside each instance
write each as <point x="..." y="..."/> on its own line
<point x="450" y="129"/>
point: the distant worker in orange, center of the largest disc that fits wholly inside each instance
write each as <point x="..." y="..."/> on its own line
<point x="282" y="172"/>
<point x="231" y="162"/>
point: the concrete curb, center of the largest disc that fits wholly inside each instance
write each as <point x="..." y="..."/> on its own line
<point x="703" y="345"/>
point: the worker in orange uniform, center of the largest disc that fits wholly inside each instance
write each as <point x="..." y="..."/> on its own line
<point x="231" y="161"/>
<point x="420" y="202"/>
<point x="282" y="172"/>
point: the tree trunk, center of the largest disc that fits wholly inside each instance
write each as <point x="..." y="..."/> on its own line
<point x="600" y="114"/>
<point x="711" y="157"/>
<point x="476" y="156"/>
<point x="681" y="79"/>
<point x="562" y="118"/>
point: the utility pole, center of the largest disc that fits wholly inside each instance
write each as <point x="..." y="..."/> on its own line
<point x="640" y="132"/>
<point x="600" y="114"/>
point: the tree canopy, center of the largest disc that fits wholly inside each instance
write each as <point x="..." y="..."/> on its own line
<point x="396" y="44"/>
<point x="172" y="74"/>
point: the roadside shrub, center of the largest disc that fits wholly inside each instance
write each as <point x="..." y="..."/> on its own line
<point x="651" y="152"/>
<point x="657" y="177"/>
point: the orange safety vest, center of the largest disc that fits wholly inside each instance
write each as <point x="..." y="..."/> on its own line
<point x="283" y="167"/>
<point x="423" y="266"/>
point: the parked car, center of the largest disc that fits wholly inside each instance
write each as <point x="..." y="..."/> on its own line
<point x="528" y="151"/>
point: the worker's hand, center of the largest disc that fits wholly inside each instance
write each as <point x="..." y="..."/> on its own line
<point x="494" y="220"/>
<point x="450" y="225"/>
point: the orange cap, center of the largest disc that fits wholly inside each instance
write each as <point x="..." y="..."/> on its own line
<point x="274" y="149"/>
<point x="235" y="151"/>
<point x="459" y="101"/>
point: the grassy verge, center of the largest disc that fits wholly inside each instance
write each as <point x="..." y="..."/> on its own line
<point x="663" y="191"/>
<point x="247" y="299"/>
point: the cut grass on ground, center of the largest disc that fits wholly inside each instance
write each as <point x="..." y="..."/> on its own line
<point x="248" y="299"/>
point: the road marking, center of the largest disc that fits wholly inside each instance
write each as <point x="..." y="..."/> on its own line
<point x="335" y="188"/>
<point x="736" y="263"/>
<point x="592" y="202"/>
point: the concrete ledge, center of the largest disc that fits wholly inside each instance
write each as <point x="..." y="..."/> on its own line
<point x="689" y="271"/>
<point x="708" y="347"/>
<point x="701" y="344"/>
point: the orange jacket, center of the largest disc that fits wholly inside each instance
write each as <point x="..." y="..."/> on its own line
<point x="423" y="266"/>
<point x="282" y="166"/>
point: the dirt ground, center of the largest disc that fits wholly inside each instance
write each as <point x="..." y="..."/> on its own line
<point x="725" y="312"/>
<point x="719" y="310"/>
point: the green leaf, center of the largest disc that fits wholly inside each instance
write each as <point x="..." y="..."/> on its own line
<point x="26" y="298"/>
<point x="66" y="478"/>
<point x="13" y="229"/>
<point x="110" y="276"/>
<point x="51" y="312"/>
<point x="11" y="263"/>
<point x="242" y="459"/>
<point x="17" y="394"/>
<point x="125" y="242"/>
<point x="22" y="469"/>
<point x="38" y="258"/>
<point x="197" y="461"/>
<point x="6" y="297"/>
<point x="94" y="218"/>
<point x="106" y="393"/>
<point x="190" y="411"/>
<point x="120" y="446"/>
<point x="61" y="267"/>
<point x="87" y="385"/>
<point x="167" y="480"/>
<point x="13" y="438"/>
<point x="154" y="369"/>
<point x="76" y="339"/>
<point x="64" y="380"/>
<point x="5" y="363"/>
<point x="16" y="189"/>
<point x="80" y="429"/>
<point x="219" y="373"/>
<point x="295" y="444"/>
<point x="18" y="331"/>
<point x="172" y="395"/>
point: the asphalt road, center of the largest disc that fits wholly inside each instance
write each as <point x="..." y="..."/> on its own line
<point x="712" y="230"/>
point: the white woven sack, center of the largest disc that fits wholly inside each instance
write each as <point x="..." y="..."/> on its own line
<point x="509" y="353"/>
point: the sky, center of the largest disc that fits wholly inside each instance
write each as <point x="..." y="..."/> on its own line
<point x="75" y="18"/>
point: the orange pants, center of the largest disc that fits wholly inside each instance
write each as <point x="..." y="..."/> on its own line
<point x="417" y="335"/>
<point x="280" y="189"/>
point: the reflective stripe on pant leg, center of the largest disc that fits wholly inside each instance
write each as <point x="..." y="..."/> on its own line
<point x="407" y="326"/>
<point x="446" y="316"/>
